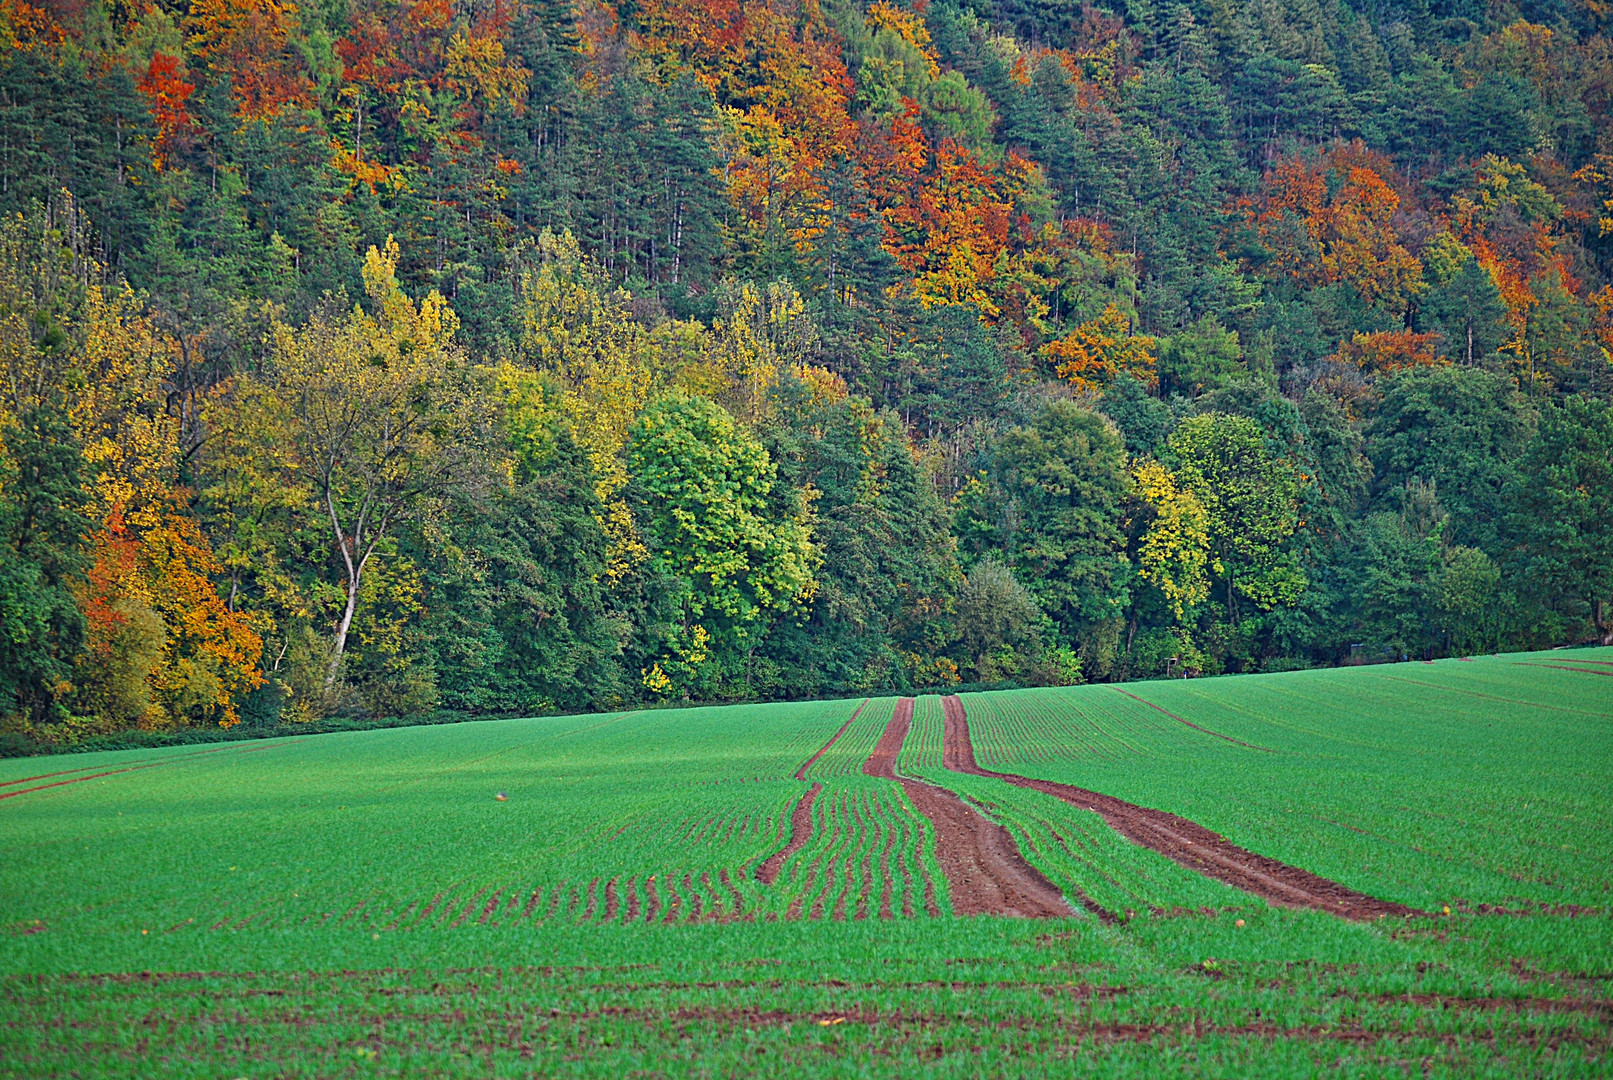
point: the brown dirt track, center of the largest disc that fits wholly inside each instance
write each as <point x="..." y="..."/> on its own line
<point x="801" y="817"/>
<point x="1184" y="841"/>
<point x="985" y="872"/>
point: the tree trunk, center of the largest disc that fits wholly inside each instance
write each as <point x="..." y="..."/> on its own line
<point x="340" y="644"/>
<point x="354" y="565"/>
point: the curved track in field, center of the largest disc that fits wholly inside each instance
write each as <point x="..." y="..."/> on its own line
<point x="801" y="816"/>
<point x="1565" y="667"/>
<point x="1189" y="723"/>
<point x="986" y="874"/>
<point x="1184" y="841"/>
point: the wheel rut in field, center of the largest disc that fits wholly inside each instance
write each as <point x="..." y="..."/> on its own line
<point x="136" y="766"/>
<point x="985" y="872"/>
<point x="1184" y="841"/>
<point x="1565" y="667"/>
<point x="801" y="816"/>
<point x="1191" y="724"/>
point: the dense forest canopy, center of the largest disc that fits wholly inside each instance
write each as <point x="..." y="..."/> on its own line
<point x="367" y="357"/>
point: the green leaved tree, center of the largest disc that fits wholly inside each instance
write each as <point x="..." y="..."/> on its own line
<point x="735" y="543"/>
<point x="1252" y="499"/>
<point x="1059" y="484"/>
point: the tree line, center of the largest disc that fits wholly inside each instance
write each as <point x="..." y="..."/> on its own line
<point x="373" y="358"/>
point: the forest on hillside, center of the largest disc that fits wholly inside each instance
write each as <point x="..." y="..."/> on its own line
<point x="373" y="357"/>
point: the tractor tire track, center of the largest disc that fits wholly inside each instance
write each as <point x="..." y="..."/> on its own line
<point x="1179" y="720"/>
<point x="176" y="759"/>
<point x="985" y="872"/>
<point x="1519" y="663"/>
<point x="1183" y="841"/>
<point x="801" y="817"/>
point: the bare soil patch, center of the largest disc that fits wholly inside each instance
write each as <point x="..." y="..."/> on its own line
<point x="1184" y="841"/>
<point x="985" y="872"/>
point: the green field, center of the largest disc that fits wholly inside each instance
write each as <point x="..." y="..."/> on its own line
<point x="363" y="905"/>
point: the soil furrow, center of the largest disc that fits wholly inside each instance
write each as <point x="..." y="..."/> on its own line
<point x="733" y="890"/>
<point x="801" y="898"/>
<point x="492" y="906"/>
<point x="593" y="901"/>
<point x="465" y="911"/>
<point x="801" y="817"/>
<point x="631" y="889"/>
<point x="176" y="759"/>
<point x="867" y="885"/>
<point x="62" y="772"/>
<point x="885" y="870"/>
<point x="1184" y="841"/>
<point x="985" y="872"/>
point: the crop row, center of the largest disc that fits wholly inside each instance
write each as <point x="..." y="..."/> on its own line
<point x="1102" y="723"/>
<point x="627" y="818"/>
<point x="1460" y="783"/>
<point x="921" y="752"/>
<point x="670" y="896"/>
<point x="403" y="828"/>
<point x="869" y="857"/>
<point x="870" y="853"/>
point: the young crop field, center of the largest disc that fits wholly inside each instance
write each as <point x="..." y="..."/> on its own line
<point x="1378" y="871"/>
<point x="1476" y="784"/>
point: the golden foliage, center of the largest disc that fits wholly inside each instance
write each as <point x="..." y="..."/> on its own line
<point x="1173" y="553"/>
<point x="1098" y="351"/>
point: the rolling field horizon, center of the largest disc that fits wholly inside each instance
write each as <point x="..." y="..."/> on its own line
<point x="1362" y="870"/>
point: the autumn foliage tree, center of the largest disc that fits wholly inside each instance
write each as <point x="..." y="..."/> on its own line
<point x="897" y="245"/>
<point x="1330" y="219"/>
<point x="249" y="43"/>
<point x="160" y="646"/>
<point x="383" y="414"/>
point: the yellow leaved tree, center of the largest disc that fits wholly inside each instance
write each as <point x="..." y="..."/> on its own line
<point x="381" y="415"/>
<point x="758" y="333"/>
<point x="580" y="329"/>
<point x="1173" y="550"/>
